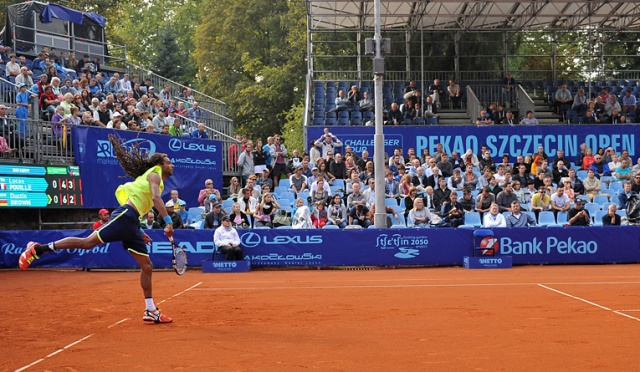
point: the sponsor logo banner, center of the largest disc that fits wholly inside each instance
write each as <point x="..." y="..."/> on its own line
<point x="195" y="160"/>
<point x="430" y="247"/>
<point x="513" y="141"/>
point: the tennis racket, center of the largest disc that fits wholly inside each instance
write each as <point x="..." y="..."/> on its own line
<point x="179" y="257"/>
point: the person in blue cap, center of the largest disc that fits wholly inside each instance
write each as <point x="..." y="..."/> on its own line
<point x="22" y="111"/>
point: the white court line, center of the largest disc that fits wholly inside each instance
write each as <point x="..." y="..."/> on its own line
<point x="118" y="322"/>
<point x="401" y="286"/>
<point x="54" y="353"/>
<point x="629" y="310"/>
<point x="86" y="337"/>
<point x="589" y="302"/>
<point x="179" y="293"/>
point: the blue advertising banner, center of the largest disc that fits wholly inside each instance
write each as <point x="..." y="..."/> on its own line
<point x="373" y="247"/>
<point x="195" y="160"/>
<point x="513" y="141"/>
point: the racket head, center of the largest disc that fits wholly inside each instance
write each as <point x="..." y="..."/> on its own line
<point x="179" y="258"/>
<point x="180" y="261"/>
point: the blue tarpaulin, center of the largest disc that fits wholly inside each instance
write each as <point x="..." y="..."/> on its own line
<point x="57" y="11"/>
<point x="66" y="14"/>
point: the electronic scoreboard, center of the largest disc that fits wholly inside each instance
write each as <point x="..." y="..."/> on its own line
<point x="40" y="186"/>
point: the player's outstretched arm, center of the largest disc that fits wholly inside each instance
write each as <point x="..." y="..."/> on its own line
<point x="154" y="184"/>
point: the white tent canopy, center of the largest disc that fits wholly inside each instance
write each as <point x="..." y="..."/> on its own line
<point x="454" y="15"/>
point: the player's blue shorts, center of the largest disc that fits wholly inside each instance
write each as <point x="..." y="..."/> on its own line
<point x="124" y="226"/>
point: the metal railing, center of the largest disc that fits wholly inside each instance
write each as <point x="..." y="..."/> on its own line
<point x="211" y="119"/>
<point x="473" y="104"/>
<point x="495" y="93"/>
<point x="116" y="57"/>
<point x="159" y="82"/>
<point x="525" y="103"/>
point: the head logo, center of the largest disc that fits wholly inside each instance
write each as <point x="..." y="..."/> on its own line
<point x="407" y="253"/>
<point x="251" y="240"/>
<point x="489" y="246"/>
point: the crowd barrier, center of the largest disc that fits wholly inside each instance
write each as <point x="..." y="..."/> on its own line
<point x="370" y="247"/>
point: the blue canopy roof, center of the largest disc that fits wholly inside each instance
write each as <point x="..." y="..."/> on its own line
<point x="66" y="14"/>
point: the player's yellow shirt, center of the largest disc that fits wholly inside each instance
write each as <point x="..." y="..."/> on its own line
<point x="139" y="191"/>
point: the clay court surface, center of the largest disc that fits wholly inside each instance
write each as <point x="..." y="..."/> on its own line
<point x="569" y="318"/>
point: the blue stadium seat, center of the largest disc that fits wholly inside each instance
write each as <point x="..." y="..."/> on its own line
<point x="368" y="116"/>
<point x="331" y="115"/>
<point x="600" y="199"/>
<point x="343" y="121"/>
<point x="592" y="208"/>
<point x="279" y="190"/>
<point x="616" y="187"/>
<point x="318" y="84"/>
<point x="561" y="218"/>
<point x="227" y="203"/>
<point x="339" y="182"/>
<point x="547" y="218"/>
<point x="606" y="180"/>
<point x="432" y="121"/>
<point x="343" y="115"/>
<point x="285" y="182"/>
<point x="356" y="118"/>
<point x="418" y="121"/>
<point x="473" y="219"/>
<point x="195" y="213"/>
<point x="597" y="218"/>
<point x="331" y="84"/>
<point x="397" y="221"/>
<point x="318" y="121"/>
<point x="391" y="202"/>
<point x="304" y="195"/>
<point x="581" y="174"/>
<point x="331" y="227"/>
<point x="330" y="122"/>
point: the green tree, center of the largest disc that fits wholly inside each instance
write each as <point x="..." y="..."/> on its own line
<point x="166" y="61"/>
<point x="253" y="58"/>
<point x="142" y="26"/>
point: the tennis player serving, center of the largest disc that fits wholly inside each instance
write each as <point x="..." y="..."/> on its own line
<point x="136" y="198"/>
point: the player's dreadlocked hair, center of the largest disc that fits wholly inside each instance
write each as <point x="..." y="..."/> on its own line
<point x="134" y="162"/>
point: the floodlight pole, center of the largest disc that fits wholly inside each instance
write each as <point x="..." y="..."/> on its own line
<point x="380" y="217"/>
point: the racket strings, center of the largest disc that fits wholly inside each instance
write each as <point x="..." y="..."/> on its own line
<point x="181" y="261"/>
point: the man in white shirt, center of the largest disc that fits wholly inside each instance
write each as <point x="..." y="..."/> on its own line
<point x="370" y="193"/>
<point x="494" y="218"/>
<point x="227" y="240"/>
<point x="560" y="201"/>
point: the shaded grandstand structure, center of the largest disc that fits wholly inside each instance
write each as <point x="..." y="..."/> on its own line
<point x="474" y="44"/>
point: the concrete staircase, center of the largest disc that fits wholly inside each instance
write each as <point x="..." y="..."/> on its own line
<point x="544" y="114"/>
<point x="449" y="116"/>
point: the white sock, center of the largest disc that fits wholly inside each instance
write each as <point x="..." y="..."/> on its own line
<point x="150" y="305"/>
